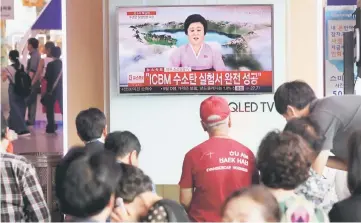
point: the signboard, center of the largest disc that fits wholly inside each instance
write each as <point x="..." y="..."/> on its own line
<point x="31" y="3"/>
<point x="338" y="20"/>
<point x="195" y="49"/>
<point x="7" y="9"/>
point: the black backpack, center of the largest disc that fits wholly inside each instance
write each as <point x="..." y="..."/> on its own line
<point x="22" y="85"/>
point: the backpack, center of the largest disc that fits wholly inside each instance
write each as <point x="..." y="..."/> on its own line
<point x="22" y="82"/>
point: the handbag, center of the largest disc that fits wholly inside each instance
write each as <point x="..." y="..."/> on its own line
<point x="47" y="97"/>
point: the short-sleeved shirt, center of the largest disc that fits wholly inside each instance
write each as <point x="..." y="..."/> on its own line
<point x="10" y="72"/>
<point x="315" y="189"/>
<point x="22" y="198"/>
<point x="297" y="209"/>
<point x="215" y="169"/>
<point x="33" y="62"/>
<point x="207" y="58"/>
<point x="338" y="117"/>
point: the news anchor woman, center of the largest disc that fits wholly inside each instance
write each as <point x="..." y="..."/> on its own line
<point x="197" y="55"/>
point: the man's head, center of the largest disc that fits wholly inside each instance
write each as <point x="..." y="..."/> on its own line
<point x="86" y="183"/>
<point x="56" y="52"/>
<point x="125" y="145"/>
<point x="252" y="204"/>
<point x="135" y="188"/>
<point x="292" y="99"/>
<point x="91" y="124"/>
<point x="33" y="44"/>
<point x="283" y="160"/>
<point x="215" y="115"/>
<point x="47" y="48"/>
<point x="309" y="130"/>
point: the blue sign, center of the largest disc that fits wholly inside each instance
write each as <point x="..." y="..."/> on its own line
<point x="341" y="2"/>
<point x="338" y="20"/>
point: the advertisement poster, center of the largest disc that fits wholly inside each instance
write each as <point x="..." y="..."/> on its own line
<point x="338" y="20"/>
<point x="195" y="49"/>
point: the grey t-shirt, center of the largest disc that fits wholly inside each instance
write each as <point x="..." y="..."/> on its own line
<point x="338" y="117"/>
<point x="33" y="62"/>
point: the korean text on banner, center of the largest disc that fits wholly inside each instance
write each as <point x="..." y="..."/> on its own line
<point x="338" y="20"/>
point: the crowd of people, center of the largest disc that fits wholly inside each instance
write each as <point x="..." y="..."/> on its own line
<point x="221" y="180"/>
<point x="26" y="82"/>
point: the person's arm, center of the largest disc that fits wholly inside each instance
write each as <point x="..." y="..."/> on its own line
<point x="186" y="195"/>
<point x="329" y="124"/>
<point x="218" y="63"/>
<point x="186" y="183"/>
<point x="336" y="163"/>
<point x="4" y="75"/>
<point x="34" y="197"/>
<point x="39" y="71"/>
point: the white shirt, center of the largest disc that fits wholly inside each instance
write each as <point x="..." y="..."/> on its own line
<point x="10" y="72"/>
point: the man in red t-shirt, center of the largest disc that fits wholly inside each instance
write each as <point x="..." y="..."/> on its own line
<point x="215" y="168"/>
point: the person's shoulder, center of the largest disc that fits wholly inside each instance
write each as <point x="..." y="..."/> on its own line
<point x="14" y="160"/>
<point x="241" y="147"/>
<point x="350" y="202"/>
<point x="36" y="55"/>
<point x="208" y="46"/>
<point x="181" y="49"/>
<point x="94" y="147"/>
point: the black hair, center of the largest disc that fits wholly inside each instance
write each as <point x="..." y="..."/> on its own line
<point x="309" y="130"/>
<point x="56" y="52"/>
<point x="295" y="93"/>
<point x="85" y="183"/>
<point x="284" y="160"/>
<point x="14" y="57"/>
<point x="193" y="19"/>
<point x="354" y="163"/>
<point x="261" y="195"/>
<point x="34" y="43"/>
<point x="49" y="45"/>
<point x="90" y="124"/>
<point x="133" y="183"/>
<point x="122" y="143"/>
<point x="4" y="125"/>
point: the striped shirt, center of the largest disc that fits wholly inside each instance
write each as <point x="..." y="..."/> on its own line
<point x="22" y="199"/>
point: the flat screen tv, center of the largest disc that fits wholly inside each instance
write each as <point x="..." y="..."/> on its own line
<point x="223" y="49"/>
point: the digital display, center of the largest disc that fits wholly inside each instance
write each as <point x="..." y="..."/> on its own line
<point x="195" y="49"/>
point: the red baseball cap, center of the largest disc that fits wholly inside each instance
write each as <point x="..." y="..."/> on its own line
<point x="214" y="109"/>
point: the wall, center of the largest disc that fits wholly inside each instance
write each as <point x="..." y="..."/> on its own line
<point x="85" y="76"/>
<point x="305" y="42"/>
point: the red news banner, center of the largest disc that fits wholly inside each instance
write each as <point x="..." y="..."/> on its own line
<point x="216" y="78"/>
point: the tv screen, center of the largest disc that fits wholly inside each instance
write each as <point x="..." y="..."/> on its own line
<point x="195" y="49"/>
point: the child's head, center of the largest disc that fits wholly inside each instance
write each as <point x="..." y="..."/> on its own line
<point x="255" y="204"/>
